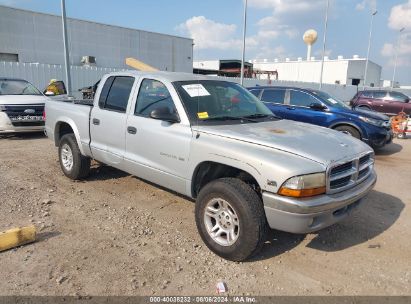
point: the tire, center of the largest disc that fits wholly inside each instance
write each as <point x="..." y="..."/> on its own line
<point x="72" y="162"/>
<point x="401" y="135"/>
<point x="349" y="130"/>
<point x="243" y="204"/>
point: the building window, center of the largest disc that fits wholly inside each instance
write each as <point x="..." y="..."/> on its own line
<point x="9" y="57"/>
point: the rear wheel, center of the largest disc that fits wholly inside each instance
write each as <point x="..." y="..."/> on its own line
<point x="401" y="135"/>
<point x="349" y="130"/>
<point x="365" y="108"/>
<point x="72" y="162"/>
<point x="230" y="219"/>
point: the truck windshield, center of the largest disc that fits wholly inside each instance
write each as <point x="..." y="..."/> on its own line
<point x="331" y="101"/>
<point x="17" y="87"/>
<point x="214" y="100"/>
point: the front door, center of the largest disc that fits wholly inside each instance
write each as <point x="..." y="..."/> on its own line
<point x="157" y="150"/>
<point x="298" y="108"/>
<point x="108" y="120"/>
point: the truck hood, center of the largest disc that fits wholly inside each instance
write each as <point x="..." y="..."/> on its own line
<point x="309" y="141"/>
<point x="22" y="99"/>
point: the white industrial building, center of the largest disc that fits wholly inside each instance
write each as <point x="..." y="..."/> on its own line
<point x="336" y="71"/>
<point x="27" y="36"/>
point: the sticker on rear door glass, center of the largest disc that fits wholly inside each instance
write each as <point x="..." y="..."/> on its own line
<point x="196" y="90"/>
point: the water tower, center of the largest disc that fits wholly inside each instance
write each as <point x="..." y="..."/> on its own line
<point x="310" y="37"/>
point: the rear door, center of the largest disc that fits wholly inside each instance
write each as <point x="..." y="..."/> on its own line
<point x="108" y="120"/>
<point x="274" y="99"/>
<point x="157" y="150"/>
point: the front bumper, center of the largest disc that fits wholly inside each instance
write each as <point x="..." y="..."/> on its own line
<point x="311" y="214"/>
<point x="380" y="138"/>
<point x="6" y="125"/>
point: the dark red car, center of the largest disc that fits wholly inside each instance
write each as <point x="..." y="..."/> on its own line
<point x="387" y="102"/>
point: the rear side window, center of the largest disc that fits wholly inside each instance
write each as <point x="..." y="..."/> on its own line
<point x="276" y="96"/>
<point x="367" y="94"/>
<point x="298" y="98"/>
<point x="115" y="93"/>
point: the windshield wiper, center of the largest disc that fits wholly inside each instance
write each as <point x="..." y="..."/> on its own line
<point x="222" y="118"/>
<point x="258" y="115"/>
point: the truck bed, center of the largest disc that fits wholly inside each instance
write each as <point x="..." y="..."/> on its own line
<point x="76" y="113"/>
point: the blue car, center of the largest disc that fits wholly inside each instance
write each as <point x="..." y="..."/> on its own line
<point x="319" y="108"/>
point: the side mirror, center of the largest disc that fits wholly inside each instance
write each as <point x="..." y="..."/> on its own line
<point x="163" y="113"/>
<point x="317" y="106"/>
<point x="49" y="93"/>
<point x="407" y="100"/>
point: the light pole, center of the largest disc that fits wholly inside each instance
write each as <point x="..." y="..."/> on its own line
<point x="244" y="34"/>
<point x="324" y="43"/>
<point x="396" y="57"/>
<point x="368" y="51"/>
<point x="65" y="42"/>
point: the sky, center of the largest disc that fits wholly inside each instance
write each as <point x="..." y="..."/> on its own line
<point x="274" y="27"/>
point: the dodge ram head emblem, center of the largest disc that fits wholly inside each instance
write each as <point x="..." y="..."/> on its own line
<point x="29" y="111"/>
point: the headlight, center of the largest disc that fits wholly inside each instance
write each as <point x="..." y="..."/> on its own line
<point x="304" y="185"/>
<point x="372" y="121"/>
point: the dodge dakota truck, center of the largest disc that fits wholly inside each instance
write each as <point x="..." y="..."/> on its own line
<point x="215" y="142"/>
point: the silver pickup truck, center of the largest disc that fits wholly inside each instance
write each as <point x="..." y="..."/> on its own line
<point x="215" y="142"/>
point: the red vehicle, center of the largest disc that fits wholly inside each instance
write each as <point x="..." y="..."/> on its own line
<point x="387" y="102"/>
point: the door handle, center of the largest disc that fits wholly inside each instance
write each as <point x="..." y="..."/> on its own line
<point x="96" y="121"/>
<point x="131" y="130"/>
<point x="290" y="108"/>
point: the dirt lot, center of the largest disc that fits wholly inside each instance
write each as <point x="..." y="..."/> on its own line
<point x="115" y="234"/>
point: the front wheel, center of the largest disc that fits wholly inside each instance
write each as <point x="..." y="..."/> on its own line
<point x="349" y="130"/>
<point x="73" y="164"/>
<point x="230" y="219"/>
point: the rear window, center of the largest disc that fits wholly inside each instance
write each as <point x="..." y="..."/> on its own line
<point x="17" y="87"/>
<point x="276" y="96"/>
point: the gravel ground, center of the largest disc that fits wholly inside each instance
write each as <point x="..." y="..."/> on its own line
<point x="115" y="234"/>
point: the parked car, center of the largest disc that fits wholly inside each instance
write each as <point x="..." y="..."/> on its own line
<point x="387" y="102"/>
<point x="21" y="106"/>
<point x="319" y="108"/>
<point x="213" y="141"/>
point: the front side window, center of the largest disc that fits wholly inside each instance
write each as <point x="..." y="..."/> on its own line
<point x="397" y="96"/>
<point x="116" y="92"/>
<point x="276" y="96"/>
<point x="17" y="87"/>
<point x="215" y="100"/>
<point x="153" y="95"/>
<point x="301" y="99"/>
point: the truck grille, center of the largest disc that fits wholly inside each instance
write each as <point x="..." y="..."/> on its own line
<point x="345" y="175"/>
<point x="25" y="115"/>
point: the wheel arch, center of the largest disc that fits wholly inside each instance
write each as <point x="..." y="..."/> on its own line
<point x="66" y="126"/>
<point x="208" y="171"/>
<point x="349" y="124"/>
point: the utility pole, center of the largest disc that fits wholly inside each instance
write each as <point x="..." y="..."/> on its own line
<point x="244" y="34"/>
<point x="368" y="51"/>
<point x="324" y="43"/>
<point x="65" y="42"/>
<point x="396" y="57"/>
